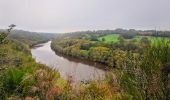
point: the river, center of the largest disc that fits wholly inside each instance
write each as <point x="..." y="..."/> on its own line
<point x="77" y="69"/>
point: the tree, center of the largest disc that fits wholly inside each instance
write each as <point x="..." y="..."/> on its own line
<point x="145" y="77"/>
<point x="103" y="39"/>
<point x="145" y="41"/>
<point x="99" y="54"/>
<point x="11" y="27"/>
<point x="121" y="39"/>
<point x="84" y="54"/>
<point x="94" y="38"/>
<point x="117" y="58"/>
<point x="4" y="35"/>
<point x="128" y="35"/>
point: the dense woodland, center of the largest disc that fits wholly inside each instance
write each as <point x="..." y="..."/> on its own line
<point x="140" y="63"/>
<point x="96" y="46"/>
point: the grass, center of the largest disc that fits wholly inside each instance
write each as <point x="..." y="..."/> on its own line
<point x="113" y="38"/>
<point x="110" y="38"/>
<point x="19" y="73"/>
<point x="152" y="38"/>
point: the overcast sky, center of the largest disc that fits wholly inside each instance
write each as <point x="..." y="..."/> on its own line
<point x="76" y="15"/>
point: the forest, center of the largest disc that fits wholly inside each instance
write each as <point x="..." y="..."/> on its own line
<point x="140" y="63"/>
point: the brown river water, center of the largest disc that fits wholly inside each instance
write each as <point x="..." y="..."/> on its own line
<point x="77" y="69"/>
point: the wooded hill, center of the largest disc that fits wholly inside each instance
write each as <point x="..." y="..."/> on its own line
<point x="30" y="38"/>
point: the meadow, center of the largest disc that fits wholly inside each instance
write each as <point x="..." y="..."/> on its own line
<point x="111" y="38"/>
<point x="114" y="38"/>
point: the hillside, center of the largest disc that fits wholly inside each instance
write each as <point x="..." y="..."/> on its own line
<point x="20" y="74"/>
<point x="30" y="38"/>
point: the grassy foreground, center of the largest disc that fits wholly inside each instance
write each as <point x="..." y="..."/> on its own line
<point x="20" y="75"/>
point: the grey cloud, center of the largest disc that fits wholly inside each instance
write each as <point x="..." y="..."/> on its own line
<point x="74" y="15"/>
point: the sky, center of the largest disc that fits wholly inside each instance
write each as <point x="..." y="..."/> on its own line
<point x="80" y="15"/>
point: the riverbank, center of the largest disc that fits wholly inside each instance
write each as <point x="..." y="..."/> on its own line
<point x="84" y="61"/>
<point x="68" y="67"/>
<point x="22" y="78"/>
<point x="88" y="86"/>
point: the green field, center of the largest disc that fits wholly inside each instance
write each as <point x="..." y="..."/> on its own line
<point x="114" y="38"/>
<point x="152" y="39"/>
<point x="110" y="38"/>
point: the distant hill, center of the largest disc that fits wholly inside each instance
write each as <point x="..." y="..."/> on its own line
<point x="30" y="38"/>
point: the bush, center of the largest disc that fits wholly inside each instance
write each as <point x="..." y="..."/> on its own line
<point x="99" y="54"/>
<point x="142" y="77"/>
